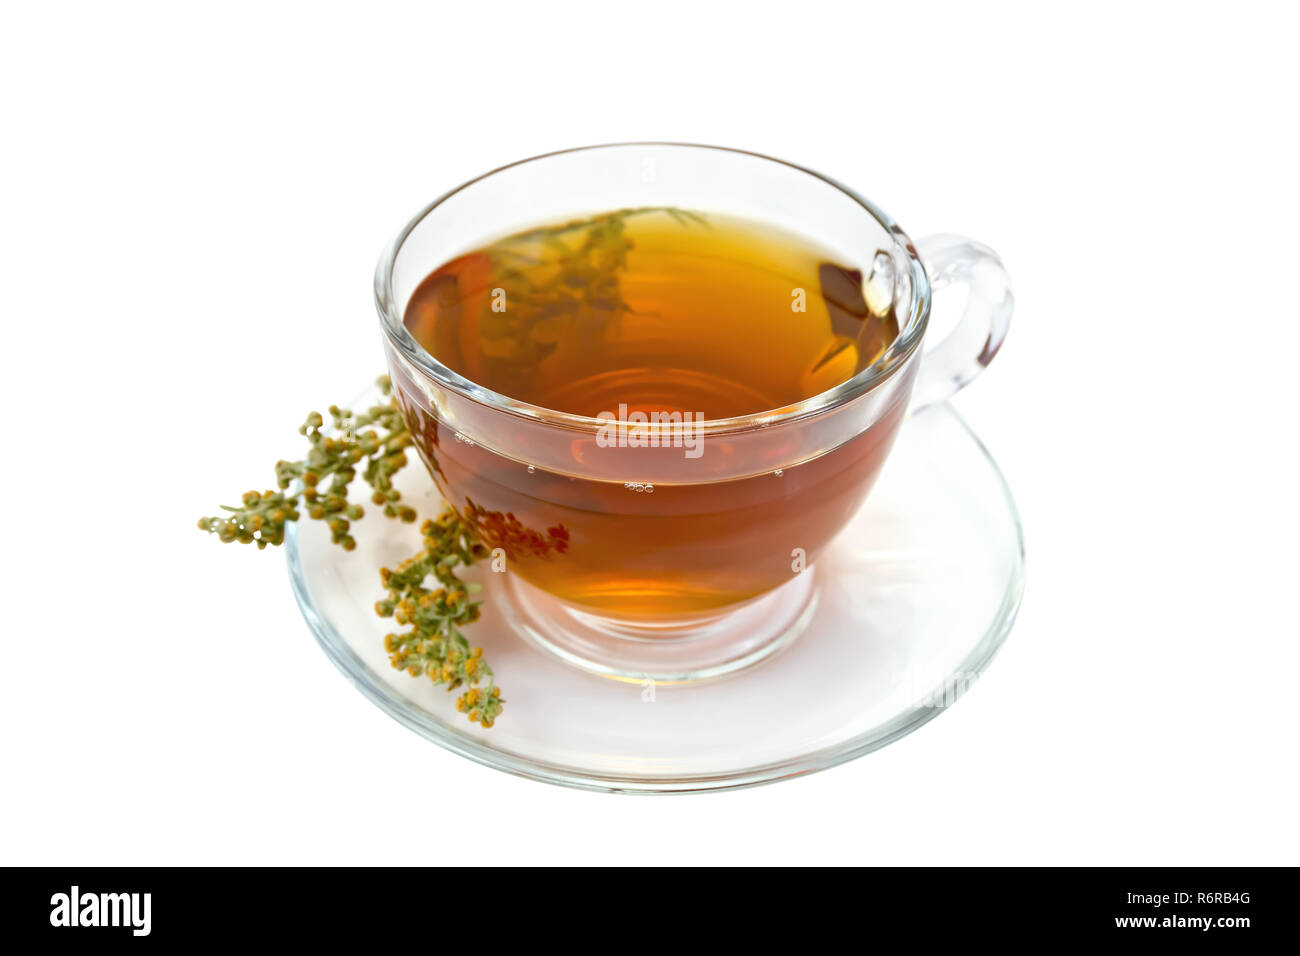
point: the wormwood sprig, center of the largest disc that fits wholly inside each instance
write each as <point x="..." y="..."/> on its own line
<point x="434" y="646"/>
<point x="377" y="435"/>
<point x="318" y="485"/>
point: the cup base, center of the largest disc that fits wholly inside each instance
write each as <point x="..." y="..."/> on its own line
<point x="685" y="651"/>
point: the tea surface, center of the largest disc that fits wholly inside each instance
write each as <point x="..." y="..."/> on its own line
<point x="657" y="309"/>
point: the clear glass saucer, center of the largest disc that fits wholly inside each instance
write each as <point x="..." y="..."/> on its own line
<point x="913" y="600"/>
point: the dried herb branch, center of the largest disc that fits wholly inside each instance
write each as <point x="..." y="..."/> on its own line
<point x="377" y="435"/>
<point x="553" y="277"/>
<point x="373" y="445"/>
<point x="434" y="646"/>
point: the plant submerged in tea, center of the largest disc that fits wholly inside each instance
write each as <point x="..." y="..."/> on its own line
<point x="373" y="444"/>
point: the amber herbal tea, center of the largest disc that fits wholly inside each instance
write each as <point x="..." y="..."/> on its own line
<point x="651" y="316"/>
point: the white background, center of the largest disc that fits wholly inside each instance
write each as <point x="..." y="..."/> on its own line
<point x="192" y="206"/>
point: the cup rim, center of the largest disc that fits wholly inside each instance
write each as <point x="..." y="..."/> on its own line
<point x="901" y="349"/>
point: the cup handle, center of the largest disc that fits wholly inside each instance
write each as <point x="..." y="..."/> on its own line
<point x="952" y="362"/>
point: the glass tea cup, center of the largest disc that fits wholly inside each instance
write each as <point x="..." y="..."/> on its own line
<point x="685" y="550"/>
